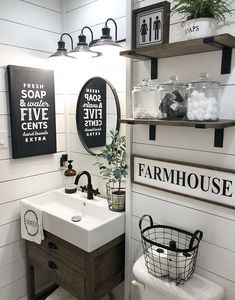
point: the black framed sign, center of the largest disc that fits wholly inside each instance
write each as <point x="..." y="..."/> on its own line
<point x="150" y="25"/>
<point x="201" y="182"/>
<point x="97" y="112"/>
<point x="32" y="109"/>
<point x="91" y="113"/>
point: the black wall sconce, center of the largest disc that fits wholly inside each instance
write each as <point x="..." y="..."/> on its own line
<point x="95" y="47"/>
<point x="62" y="52"/>
<point x="82" y="49"/>
<point x="106" y="40"/>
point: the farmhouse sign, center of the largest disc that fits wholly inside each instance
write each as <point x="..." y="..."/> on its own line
<point x="196" y="181"/>
<point x="32" y="108"/>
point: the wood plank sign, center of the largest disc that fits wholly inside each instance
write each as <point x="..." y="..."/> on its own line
<point x="32" y="109"/>
<point x="196" y="181"/>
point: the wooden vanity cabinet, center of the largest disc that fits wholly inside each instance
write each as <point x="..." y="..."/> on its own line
<point x="86" y="275"/>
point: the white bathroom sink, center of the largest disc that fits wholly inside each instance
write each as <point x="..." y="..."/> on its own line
<point x="98" y="224"/>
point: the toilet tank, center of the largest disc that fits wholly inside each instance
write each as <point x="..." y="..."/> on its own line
<point x="196" y="288"/>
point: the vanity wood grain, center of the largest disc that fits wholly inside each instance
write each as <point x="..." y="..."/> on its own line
<point x="86" y="275"/>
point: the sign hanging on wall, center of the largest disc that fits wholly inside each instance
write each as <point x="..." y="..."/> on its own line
<point x="150" y="25"/>
<point x="91" y="113"/>
<point x="196" y="181"/>
<point x="32" y="108"/>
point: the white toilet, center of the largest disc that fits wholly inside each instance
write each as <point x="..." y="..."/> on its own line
<point x="152" y="288"/>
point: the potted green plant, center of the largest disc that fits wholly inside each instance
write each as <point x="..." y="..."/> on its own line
<point x="114" y="168"/>
<point x="201" y="16"/>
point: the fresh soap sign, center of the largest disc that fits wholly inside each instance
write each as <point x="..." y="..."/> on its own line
<point x="32" y="105"/>
<point x="91" y="113"/>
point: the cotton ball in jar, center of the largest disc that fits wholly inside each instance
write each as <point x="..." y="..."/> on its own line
<point x="213" y="110"/>
<point x="201" y="96"/>
<point x="195" y="104"/>
<point x="203" y="103"/>
<point x="212" y="101"/>
<point x="207" y="116"/>
<point x="190" y="116"/>
<point x="194" y="94"/>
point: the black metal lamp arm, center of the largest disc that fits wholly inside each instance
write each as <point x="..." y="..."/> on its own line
<point x="87" y="27"/>
<point x="115" y="24"/>
<point x="67" y="34"/>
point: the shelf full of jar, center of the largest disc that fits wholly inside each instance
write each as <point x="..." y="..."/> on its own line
<point x="218" y="126"/>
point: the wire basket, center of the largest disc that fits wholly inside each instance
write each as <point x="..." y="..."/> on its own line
<point x="116" y="196"/>
<point x="169" y="252"/>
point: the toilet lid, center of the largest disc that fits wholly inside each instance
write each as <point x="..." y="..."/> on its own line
<point x="197" y="287"/>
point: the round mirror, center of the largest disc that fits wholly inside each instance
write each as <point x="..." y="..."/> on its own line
<point x="97" y="112"/>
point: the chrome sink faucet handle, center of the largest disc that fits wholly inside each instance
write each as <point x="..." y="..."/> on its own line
<point x="89" y="189"/>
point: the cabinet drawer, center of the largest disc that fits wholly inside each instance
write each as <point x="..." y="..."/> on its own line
<point x="63" y="250"/>
<point x="59" y="272"/>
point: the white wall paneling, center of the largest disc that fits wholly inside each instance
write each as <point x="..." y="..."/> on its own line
<point x="29" y="31"/>
<point x="78" y="18"/>
<point x="16" y="290"/>
<point x="55" y="5"/>
<point x="33" y="16"/>
<point x="190" y="145"/>
<point x="76" y="4"/>
<point x="23" y="36"/>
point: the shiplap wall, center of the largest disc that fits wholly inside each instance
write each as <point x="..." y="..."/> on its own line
<point x="217" y="250"/>
<point x="77" y="15"/>
<point x="29" y="31"/>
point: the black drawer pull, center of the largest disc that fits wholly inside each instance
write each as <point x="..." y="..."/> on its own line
<point x="51" y="245"/>
<point x="52" y="265"/>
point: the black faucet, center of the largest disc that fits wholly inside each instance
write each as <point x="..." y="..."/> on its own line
<point x="90" y="191"/>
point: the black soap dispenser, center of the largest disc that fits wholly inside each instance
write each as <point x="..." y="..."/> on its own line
<point x="69" y="178"/>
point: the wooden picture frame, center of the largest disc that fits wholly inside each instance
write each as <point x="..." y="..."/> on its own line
<point x="150" y="25"/>
<point x="32" y="111"/>
<point x="201" y="182"/>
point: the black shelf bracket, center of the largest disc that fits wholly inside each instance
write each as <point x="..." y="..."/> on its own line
<point x="154" y="68"/>
<point x="219" y="138"/>
<point x="226" y="54"/>
<point x="152" y="132"/>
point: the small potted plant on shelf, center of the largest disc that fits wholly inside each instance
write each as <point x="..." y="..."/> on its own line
<point x="201" y="16"/>
<point x="115" y="170"/>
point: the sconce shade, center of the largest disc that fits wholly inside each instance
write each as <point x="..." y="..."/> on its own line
<point x="61" y="51"/>
<point x="82" y="49"/>
<point x="106" y="40"/>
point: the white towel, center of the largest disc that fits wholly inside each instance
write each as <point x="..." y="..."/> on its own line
<point x="31" y="222"/>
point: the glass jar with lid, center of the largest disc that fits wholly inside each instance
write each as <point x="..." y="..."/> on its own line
<point x="203" y="99"/>
<point x="172" y="97"/>
<point x="145" y="101"/>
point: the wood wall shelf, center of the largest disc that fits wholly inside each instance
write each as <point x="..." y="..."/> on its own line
<point x="224" y="42"/>
<point x="217" y="125"/>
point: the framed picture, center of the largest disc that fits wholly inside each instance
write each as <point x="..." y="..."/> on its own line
<point x="150" y="25"/>
<point x="32" y="110"/>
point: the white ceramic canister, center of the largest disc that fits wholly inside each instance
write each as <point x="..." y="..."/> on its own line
<point x="199" y="28"/>
<point x="203" y="99"/>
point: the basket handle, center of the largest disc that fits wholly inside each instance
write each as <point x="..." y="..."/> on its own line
<point x="197" y="234"/>
<point x="142" y="219"/>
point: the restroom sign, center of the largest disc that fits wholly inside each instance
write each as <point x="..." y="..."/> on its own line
<point x="151" y="25"/>
<point x="195" y="181"/>
<point x="32" y="109"/>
